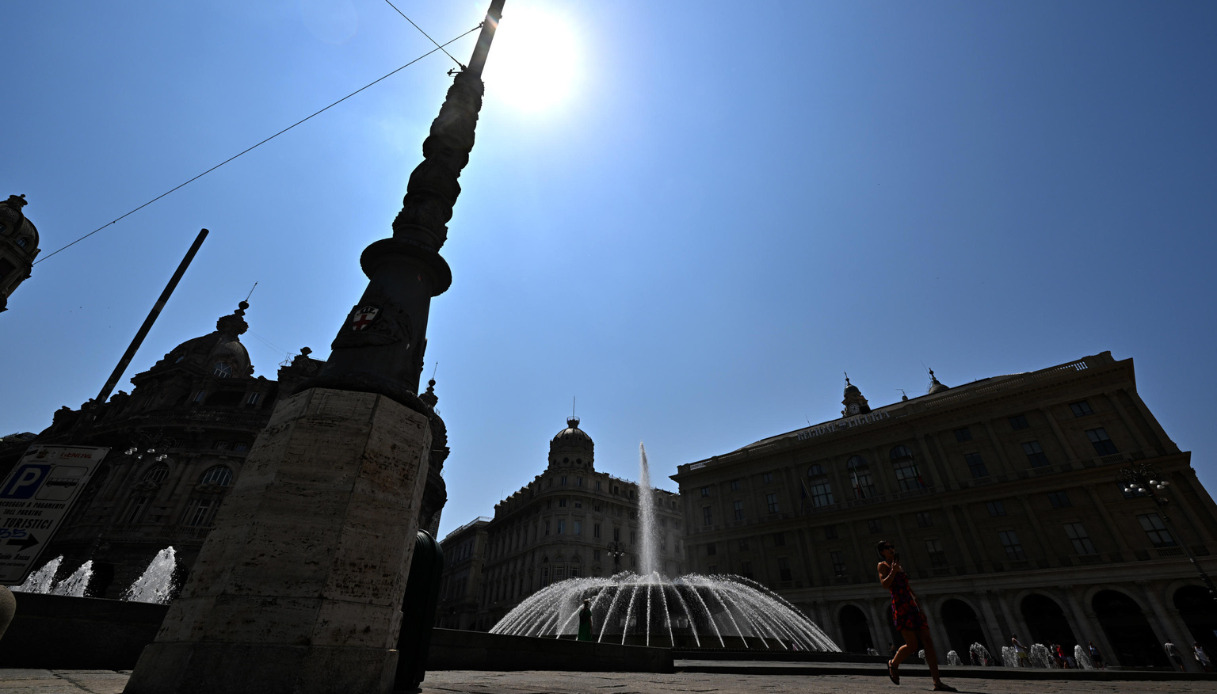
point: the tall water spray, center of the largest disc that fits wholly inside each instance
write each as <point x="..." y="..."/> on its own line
<point x="74" y="586"/>
<point x="42" y="580"/>
<point x="156" y="583"/>
<point x="648" y="556"/>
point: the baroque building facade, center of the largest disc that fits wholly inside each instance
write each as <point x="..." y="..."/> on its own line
<point x="18" y="247"/>
<point x="568" y="522"/>
<point x="177" y="444"/>
<point x="1007" y="501"/>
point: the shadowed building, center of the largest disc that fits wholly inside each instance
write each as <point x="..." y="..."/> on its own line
<point x="178" y="442"/>
<point x="18" y="247"/>
<point x="570" y="521"/>
<point x="1004" y="497"/>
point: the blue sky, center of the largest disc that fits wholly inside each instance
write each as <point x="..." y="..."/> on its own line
<point x="712" y="213"/>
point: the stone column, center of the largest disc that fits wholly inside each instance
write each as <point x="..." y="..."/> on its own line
<point x="299" y="587"/>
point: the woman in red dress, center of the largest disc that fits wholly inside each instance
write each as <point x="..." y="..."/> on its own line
<point x="907" y="616"/>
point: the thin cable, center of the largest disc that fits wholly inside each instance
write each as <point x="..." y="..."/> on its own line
<point x="420" y="30"/>
<point x="250" y="149"/>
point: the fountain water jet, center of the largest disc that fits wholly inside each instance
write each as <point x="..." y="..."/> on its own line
<point x="155" y="585"/>
<point x="42" y="580"/>
<point x="739" y="612"/>
<point x="74" y="586"/>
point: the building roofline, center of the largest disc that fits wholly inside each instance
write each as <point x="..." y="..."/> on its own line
<point x="985" y="387"/>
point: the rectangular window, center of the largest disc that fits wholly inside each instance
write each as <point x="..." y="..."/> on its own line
<point x="830" y="532"/>
<point x="562" y="481"/>
<point x="578" y="481"/>
<point x="1156" y="530"/>
<point x="821" y="494"/>
<point x="1059" y="500"/>
<point x="1099" y="439"/>
<point x="738" y="510"/>
<point x="597" y="485"/>
<point x="938" y="558"/>
<point x="963" y="434"/>
<point x="1035" y="454"/>
<point x="616" y="534"/>
<point x="562" y="502"/>
<point x="735" y="485"/>
<point x="743" y="545"/>
<point x="874" y="525"/>
<point x="767" y="477"/>
<point x="864" y="488"/>
<point x="838" y="564"/>
<point x="578" y="503"/>
<point x="1019" y="421"/>
<point x="707" y="517"/>
<point x="1076" y="533"/>
<point x="596" y="530"/>
<point x="546" y="527"/>
<point x="705" y="491"/>
<point x="1014" y="549"/>
<point x="925" y="519"/>
<point x="996" y="508"/>
<point x="784" y="569"/>
<point x="135" y="510"/>
<point x="771" y="501"/>
<point x="779" y="539"/>
<point x="1081" y="409"/>
<point x="976" y="465"/>
<point x="711" y="549"/>
<point x="561" y="527"/>
<point x="201" y="512"/>
<point x="577" y="527"/>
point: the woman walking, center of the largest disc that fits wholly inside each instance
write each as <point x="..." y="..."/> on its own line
<point x="907" y="616"/>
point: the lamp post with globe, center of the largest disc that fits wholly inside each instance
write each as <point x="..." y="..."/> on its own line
<point x="1143" y="479"/>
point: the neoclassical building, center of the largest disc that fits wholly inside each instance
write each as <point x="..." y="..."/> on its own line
<point x="178" y="442"/>
<point x="569" y="521"/>
<point x="18" y="247"/>
<point x="1008" y="499"/>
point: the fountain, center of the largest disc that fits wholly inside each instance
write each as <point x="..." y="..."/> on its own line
<point x="693" y="611"/>
<point x="1040" y="657"/>
<point x="155" y="585"/>
<point x="74" y="586"/>
<point x="1083" y="658"/>
<point x="979" y="654"/>
<point x="1009" y="656"/>
<point x="42" y="580"/>
<point x="953" y="658"/>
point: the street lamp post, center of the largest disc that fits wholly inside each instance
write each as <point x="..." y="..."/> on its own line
<point x="1143" y="479"/>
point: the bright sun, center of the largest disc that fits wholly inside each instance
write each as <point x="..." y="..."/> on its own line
<point x="534" y="62"/>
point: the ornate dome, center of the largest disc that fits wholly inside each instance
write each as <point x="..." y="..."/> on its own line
<point x="16" y="228"/>
<point x="571" y="447"/>
<point x="935" y="385"/>
<point x="219" y="353"/>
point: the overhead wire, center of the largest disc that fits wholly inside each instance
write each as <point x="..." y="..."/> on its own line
<point x="250" y="149"/>
<point x="420" y="30"/>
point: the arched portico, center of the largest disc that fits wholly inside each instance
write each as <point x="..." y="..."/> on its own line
<point x="855" y="632"/>
<point x="1132" y="640"/>
<point x="1046" y="621"/>
<point x="962" y="626"/>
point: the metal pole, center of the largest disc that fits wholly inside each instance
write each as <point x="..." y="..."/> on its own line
<point x="152" y="316"/>
<point x="493" y="15"/>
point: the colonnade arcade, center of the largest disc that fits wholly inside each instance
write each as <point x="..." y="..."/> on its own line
<point x="1128" y="623"/>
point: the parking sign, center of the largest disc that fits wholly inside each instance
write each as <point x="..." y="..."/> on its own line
<point x="35" y="497"/>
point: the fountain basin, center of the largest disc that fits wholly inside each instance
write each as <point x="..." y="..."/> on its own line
<point x="58" y="632"/>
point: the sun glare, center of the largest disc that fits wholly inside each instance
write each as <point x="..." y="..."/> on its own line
<point x="534" y="63"/>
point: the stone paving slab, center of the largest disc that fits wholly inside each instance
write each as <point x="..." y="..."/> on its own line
<point x="19" y="681"/>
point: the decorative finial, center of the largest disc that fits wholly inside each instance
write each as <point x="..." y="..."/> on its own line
<point x="572" y="422"/>
<point x="847" y="383"/>
<point x="17" y="201"/>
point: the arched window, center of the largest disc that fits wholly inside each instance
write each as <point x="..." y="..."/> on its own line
<point x="908" y="477"/>
<point x="859" y="477"/>
<point x="157" y="473"/>
<point x="221" y="369"/>
<point x="219" y="475"/>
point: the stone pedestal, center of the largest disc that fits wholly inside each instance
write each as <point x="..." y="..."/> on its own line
<point x="299" y="587"/>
